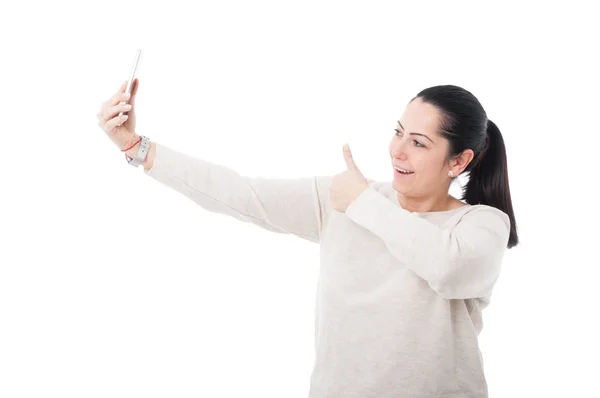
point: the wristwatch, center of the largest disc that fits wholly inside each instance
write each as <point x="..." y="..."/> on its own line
<point x="141" y="154"/>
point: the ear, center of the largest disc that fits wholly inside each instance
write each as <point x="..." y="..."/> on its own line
<point x="460" y="162"/>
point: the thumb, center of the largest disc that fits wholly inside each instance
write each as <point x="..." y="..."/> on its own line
<point x="349" y="159"/>
<point x="134" y="88"/>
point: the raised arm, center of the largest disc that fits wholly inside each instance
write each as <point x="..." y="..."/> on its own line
<point x="291" y="206"/>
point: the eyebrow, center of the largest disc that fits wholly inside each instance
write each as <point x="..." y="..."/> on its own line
<point x="402" y="127"/>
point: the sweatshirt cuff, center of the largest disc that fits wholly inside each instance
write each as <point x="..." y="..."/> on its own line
<point x="163" y="161"/>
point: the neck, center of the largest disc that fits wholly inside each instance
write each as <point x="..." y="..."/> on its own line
<point x="441" y="202"/>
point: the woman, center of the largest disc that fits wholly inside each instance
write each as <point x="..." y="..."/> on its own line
<point x="406" y="269"/>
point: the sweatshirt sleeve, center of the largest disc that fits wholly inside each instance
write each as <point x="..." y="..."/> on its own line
<point x="288" y="206"/>
<point x="458" y="263"/>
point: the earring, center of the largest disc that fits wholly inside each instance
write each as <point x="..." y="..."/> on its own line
<point x="451" y="173"/>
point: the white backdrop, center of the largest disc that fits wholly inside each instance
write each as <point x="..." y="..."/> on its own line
<point x="113" y="285"/>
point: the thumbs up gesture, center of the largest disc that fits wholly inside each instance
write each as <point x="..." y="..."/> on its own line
<point x="347" y="185"/>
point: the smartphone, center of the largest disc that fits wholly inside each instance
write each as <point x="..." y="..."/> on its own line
<point x="136" y="63"/>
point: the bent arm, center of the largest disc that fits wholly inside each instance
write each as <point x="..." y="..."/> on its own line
<point x="290" y="206"/>
<point x="459" y="263"/>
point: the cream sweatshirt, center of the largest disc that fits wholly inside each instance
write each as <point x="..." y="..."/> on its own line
<point x="400" y="293"/>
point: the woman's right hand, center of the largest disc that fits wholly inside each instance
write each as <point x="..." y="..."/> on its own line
<point x="120" y="129"/>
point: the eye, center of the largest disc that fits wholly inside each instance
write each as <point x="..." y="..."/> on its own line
<point x="417" y="143"/>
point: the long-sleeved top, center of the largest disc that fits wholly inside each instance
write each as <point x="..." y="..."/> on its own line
<point x="400" y="293"/>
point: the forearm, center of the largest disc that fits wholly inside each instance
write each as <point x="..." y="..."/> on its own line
<point x="295" y="206"/>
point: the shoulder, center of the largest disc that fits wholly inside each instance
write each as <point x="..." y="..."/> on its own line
<point x="485" y="212"/>
<point x="486" y="220"/>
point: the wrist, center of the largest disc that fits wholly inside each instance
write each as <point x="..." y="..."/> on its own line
<point x="132" y="151"/>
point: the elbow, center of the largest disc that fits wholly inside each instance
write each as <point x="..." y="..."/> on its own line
<point x="466" y="289"/>
<point x="447" y="289"/>
<point x="467" y="279"/>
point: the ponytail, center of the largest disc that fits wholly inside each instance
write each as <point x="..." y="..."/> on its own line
<point x="464" y="123"/>
<point x="488" y="179"/>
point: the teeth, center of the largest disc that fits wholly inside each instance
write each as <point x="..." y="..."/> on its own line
<point x="403" y="171"/>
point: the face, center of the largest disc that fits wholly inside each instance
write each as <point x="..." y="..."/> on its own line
<point x="418" y="148"/>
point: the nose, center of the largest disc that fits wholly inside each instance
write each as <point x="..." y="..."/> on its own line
<point x="397" y="149"/>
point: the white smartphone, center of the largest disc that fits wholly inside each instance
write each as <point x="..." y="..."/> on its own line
<point x="136" y="62"/>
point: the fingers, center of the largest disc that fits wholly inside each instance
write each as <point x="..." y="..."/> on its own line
<point x="109" y="113"/>
<point x="114" y="104"/>
<point x="118" y="97"/>
<point x="112" y="123"/>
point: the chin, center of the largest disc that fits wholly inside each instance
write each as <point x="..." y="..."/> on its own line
<point x="399" y="187"/>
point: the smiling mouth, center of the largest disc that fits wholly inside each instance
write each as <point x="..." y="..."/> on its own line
<point x="402" y="171"/>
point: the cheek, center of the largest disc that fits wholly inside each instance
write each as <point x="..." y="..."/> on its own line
<point x="420" y="161"/>
<point x="428" y="168"/>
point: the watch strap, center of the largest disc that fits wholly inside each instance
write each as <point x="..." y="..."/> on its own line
<point x="141" y="154"/>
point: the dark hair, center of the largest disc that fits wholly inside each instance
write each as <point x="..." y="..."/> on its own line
<point x="464" y="123"/>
